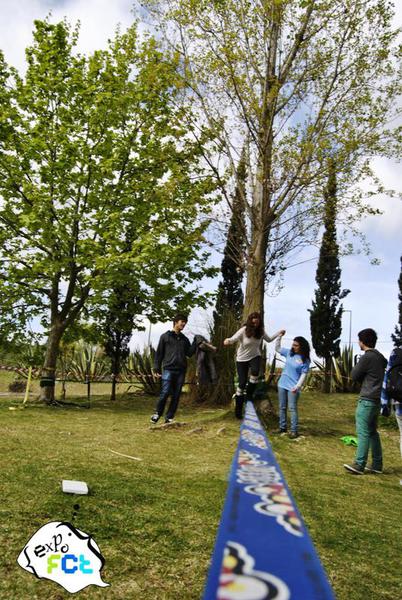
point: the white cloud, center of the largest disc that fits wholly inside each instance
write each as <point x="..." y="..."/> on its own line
<point x="99" y="19"/>
<point x="390" y="222"/>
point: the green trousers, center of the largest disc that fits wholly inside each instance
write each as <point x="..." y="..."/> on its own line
<point x="368" y="438"/>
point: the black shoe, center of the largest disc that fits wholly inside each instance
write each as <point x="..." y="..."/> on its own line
<point x="371" y="469"/>
<point x="251" y="387"/>
<point x="293" y="435"/>
<point x="155" y="418"/>
<point x="168" y="420"/>
<point x="280" y="431"/>
<point x="239" y="402"/>
<point x="354" y="468"/>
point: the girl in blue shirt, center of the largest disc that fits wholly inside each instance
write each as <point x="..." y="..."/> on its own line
<point x="291" y="381"/>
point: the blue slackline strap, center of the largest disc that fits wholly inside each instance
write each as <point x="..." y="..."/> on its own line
<point x="263" y="550"/>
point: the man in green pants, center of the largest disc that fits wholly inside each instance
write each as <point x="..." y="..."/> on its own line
<point x="369" y="371"/>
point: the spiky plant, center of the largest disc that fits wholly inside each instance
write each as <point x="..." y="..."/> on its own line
<point x="139" y="366"/>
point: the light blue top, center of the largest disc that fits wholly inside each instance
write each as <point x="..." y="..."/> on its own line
<point x="294" y="367"/>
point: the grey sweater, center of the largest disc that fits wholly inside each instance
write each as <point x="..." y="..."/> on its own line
<point x="369" y="371"/>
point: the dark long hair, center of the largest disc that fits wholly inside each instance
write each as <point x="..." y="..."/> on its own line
<point x="304" y="348"/>
<point x="251" y="329"/>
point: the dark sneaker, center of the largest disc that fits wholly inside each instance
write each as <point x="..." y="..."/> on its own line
<point x="355" y="469"/>
<point x="155" y="418"/>
<point x="239" y="404"/>
<point x="374" y="470"/>
<point x="280" y="431"/>
<point x="293" y="435"/>
<point x="168" y="420"/>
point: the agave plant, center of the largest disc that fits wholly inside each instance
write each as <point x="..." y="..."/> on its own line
<point x="341" y="373"/>
<point x="342" y="369"/>
<point x="139" y="366"/>
<point x="87" y="363"/>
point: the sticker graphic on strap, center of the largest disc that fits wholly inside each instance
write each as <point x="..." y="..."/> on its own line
<point x="239" y="581"/>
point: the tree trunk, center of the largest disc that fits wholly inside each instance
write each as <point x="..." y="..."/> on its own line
<point x="326" y="387"/>
<point x="113" y="392"/>
<point x="49" y="366"/>
<point x="255" y="288"/>
<point x="261" y="212"/>
<point x="116" y="368"/>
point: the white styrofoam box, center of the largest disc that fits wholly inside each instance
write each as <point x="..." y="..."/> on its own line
<point x="74" y="487"/>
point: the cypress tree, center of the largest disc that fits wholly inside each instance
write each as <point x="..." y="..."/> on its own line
<point x="397" y="336"/>
<point x="230" y="294"/>
<point x="229" y="303"/>
<point x="118" y="325"/>
<point x="326" y="314"/>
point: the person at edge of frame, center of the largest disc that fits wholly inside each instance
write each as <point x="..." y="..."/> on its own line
<point x="170" y="364"/>
<point x="369" y="371"/>
<point x="391" y="395"/>
<point x="248" y="357"/>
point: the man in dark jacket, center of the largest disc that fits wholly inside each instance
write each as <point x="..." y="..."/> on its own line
<point x="369" y="371"/>
<point x="171" y="363"/>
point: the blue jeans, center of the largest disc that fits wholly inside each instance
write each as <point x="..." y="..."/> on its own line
<point x="367" y="435"/>
<point x="172" y="382"/>
<point x="286" y="397"/>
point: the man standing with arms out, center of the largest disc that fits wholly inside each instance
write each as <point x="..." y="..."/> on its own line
<point x="369" y="371"/>
<point x="171" y="364"/>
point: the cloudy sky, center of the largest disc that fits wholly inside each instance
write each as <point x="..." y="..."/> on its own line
<point x="373" y="299"/>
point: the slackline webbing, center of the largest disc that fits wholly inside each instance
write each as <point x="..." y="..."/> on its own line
<point x="263" y="550"/>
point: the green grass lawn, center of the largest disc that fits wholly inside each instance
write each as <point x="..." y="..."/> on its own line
<point x="155" y="521"/>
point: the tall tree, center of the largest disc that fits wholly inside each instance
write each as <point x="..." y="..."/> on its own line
<point x="295" y="77"/>
<point x="119" y="321"/>
<point x="326" y="314"/>
<point x="230" y="294"/>
<point x="93" y="150"/>
<point x="397" y="336"/>
<point x="229" y="302"/>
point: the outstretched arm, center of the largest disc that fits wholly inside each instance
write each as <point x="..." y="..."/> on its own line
<point x="207" y="347"/>
<point x="278" y="343"/>
<point x="236" y="337"/>
<point x="278" y="334"/>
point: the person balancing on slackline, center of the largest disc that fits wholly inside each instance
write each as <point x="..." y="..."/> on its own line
<point x="248" y="357"/>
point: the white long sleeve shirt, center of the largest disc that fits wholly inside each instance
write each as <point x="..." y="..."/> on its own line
<point x="249" y="347"/>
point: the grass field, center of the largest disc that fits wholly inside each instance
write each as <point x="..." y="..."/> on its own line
<point x="155" y="521"/>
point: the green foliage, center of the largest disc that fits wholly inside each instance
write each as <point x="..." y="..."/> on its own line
<point x="31" y="355"/>
<point x="230" y="293"/>
<point x="18" y="352"/>
<point x="340" y="373"/>
<point x="297" y="80"/>
<point x="139" y="366"/>
<point x="326" y="314"/>
<point x="117" y="324"/>
<point x="342" y="370"/>
<point x="84" y="362"/>
<point x="397" y="336"/>
<point x="224" y="327"/>
<point x="229" y="300"/>
<point x="94" y="151"/>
